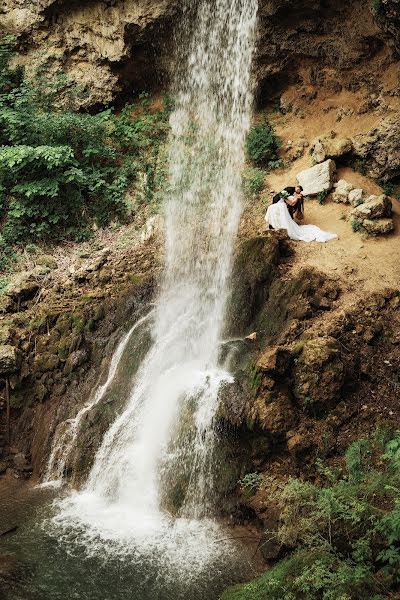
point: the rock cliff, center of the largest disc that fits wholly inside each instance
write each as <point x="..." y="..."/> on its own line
<point x="111" y="47"/>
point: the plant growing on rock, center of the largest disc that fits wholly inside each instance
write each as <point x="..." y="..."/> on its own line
<point x="61" y="170"/>
<point x="345" y="531"/>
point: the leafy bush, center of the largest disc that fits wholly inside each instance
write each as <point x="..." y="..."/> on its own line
<point x="61" y="170"/>
<point x="253" y="181"/>
<point x="345" y="531"/>
<point x="262" y="146"/>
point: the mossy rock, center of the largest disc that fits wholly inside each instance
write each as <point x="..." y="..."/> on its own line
<point x="319" y="373"/>
<point x="254" y="267"/>
<point x="45" y="362"/>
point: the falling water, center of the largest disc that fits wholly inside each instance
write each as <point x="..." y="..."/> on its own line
<point x="165" y="435"/>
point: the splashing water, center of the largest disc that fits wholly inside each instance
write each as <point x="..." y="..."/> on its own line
<point x="165" y="435"/>
<point x="67" y="431"/>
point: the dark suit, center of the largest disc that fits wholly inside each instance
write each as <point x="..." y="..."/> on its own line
<point x="292" y="209"/>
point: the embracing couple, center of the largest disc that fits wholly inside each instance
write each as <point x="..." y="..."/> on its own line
<point x="285" y="207"/>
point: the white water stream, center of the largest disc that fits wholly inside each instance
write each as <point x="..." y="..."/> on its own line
<point x="165" y="434"/>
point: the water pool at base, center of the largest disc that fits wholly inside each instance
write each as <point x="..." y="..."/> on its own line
<point x="54" y="563"/>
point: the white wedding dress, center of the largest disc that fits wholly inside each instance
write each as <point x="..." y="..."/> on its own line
<point x="278" y="217"/>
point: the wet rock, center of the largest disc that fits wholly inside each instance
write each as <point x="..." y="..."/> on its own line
<point x="330" y="147"/>
<point x="8" y="359"/>
<point x="317" y="179"/>
<point x="8" y="565"/>
<point x="342" y="191"/>
<point x="20" y="463"/>
<point x="75" y="360"/>
<point x="233" y="399"/>
<point x="374" y="208"/>
<point x="319" y="373"/>
<point x="378" y="226"/>
<point x="254" y="266"/>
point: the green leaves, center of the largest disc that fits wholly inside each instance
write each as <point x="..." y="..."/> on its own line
<point x="262" y="146"/>
<point x="60" y="170"/>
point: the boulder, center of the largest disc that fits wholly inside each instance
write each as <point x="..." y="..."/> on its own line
<point x="342" y="191"/>
<point x="330" y="147"/>
<point x="317" y="179"/>
<point x="8" y="359"/>
<point x="22" y="286"/>
<point x="319" y="373"/>
<point x="273" y="412"/>
<point x="375" y="207"/>
<point x="356" y="197"/>
<point x="378" y="226"/>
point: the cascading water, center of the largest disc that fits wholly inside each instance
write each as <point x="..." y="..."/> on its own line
<point x="165" y="435"/>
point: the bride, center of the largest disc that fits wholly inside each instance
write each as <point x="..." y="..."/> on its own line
<point x="278" y="217"/>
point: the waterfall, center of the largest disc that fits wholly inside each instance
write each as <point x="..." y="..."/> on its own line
<point x="165" y="436"/>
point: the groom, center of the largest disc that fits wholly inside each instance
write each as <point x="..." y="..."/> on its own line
<point x="298" y="206"/>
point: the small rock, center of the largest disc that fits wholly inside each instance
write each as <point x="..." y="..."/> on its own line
<point x="8" y="360"/>
<point x="342" y="191"/>
<point x="356" y="197"/>
<point x="46" y="261"/>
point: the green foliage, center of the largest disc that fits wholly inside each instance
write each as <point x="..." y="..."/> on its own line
<point x="4" y="281"/>
<point x="392" y="190"/>
<point x="322" y="196"/>
<point x="356" y="225"/>
<point x="345" y="531"/>
<point x="251" y="482"/>
<point x="253" y="181"/>
<point x="360" y="166"/>
<point x="262" y="146"/>
<point x="61" y="170"/>
<point x="376" y="6"/>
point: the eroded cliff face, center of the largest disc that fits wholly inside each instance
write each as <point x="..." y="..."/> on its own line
<point x="105" y="47"/>
<point x="124" y="46"/>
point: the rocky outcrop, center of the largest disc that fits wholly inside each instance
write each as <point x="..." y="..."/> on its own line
<point x="124" y="46"/>
<point x="330" y="147"/>
<point x="379" y="150"/>
<point x="56" y="335"/>
<point x="104" y="47"/>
